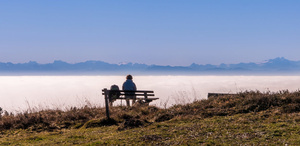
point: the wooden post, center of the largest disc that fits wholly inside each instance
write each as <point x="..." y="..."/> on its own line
<point x="106" y="103"/>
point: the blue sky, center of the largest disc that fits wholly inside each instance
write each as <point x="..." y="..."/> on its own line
<point x="162" y="32"/>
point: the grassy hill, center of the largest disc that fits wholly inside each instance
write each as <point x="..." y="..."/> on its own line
<point x="246" y="118"/>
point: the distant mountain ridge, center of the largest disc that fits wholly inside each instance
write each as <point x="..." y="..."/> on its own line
<point x="277" y="65"/>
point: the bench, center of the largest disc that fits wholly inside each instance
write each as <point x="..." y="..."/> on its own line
<point x="141" y="96"/>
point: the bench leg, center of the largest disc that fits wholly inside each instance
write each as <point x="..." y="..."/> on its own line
<point x="127" y="102"/>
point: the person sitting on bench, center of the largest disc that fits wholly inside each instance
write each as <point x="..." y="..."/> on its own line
<point x="129" y="85"/>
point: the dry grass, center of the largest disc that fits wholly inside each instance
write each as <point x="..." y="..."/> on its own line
<point x="245" y="102"/>
<point x="247" y="118"/>
<point x="139" y="116"/>
<point x="49" y="119"/>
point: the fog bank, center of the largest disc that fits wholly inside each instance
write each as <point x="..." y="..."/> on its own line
<point x="18" y="93"/>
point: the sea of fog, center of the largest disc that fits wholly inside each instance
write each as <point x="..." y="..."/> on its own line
<point x="19" y="93"/>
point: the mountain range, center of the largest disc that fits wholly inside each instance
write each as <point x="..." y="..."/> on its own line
<point x="278" y="65"/>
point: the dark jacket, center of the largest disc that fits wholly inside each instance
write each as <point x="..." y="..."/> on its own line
<point x="129" y="85"/>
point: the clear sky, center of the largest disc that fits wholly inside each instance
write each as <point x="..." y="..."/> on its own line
<point x="163" y="32"/>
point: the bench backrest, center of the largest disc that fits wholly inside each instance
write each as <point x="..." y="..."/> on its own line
<point x="138" y="93"/>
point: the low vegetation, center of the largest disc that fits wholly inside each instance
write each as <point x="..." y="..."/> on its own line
<point x="249" y="117"/>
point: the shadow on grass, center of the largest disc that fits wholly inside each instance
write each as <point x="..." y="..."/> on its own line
<point x="100" y="123"/>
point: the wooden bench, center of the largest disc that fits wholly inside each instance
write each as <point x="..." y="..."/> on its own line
<point x="140" y="96"/>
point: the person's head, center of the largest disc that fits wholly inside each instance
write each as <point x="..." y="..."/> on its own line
<point x="129" y="77"/>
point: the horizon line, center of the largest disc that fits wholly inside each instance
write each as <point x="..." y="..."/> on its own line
<point x="126" y="63"/>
